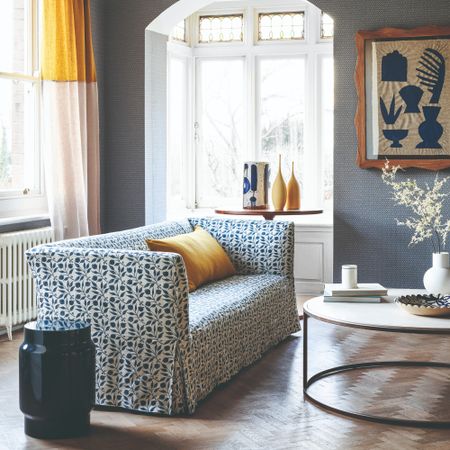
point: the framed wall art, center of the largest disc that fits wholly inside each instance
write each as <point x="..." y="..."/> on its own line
<point x="403" y="83"/>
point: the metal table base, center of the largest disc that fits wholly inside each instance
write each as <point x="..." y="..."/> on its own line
<point x="308" y="382"/>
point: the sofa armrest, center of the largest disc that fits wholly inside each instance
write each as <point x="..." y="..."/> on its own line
<point x="137" y="285"/>
<point x="254" y="246"/>
<point x="137" y="304"/>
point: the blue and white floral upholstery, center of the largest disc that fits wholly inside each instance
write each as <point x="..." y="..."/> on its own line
<point x="159" y="348"/>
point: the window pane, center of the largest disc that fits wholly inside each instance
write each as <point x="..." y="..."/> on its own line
<point x="179" y="32"/>
<point x="281" y="26"/>
<point x="176" y="136"/>
<point x="327" y="125"/>
<point x="227" y="28"/>
<point x="326" y="27"/>
<point x="17" y="135"/>
<point x="221" y="138"/>
<point x="12" y="36"/>
<point x="281" y="116"/>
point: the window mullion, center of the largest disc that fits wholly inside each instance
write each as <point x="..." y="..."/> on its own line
<point x="252" y="147"/>
<point x="196" y="132"/>
<point x="311" y="172"/>
<point x="191" y="119"/>
<point x="256" y="107"/>
<point x="18" y="76"/>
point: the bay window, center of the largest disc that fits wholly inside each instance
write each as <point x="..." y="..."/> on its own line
<point x="258" y="82"/>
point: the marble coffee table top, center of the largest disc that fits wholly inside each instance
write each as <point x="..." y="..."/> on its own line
<point x="385" y="316"/>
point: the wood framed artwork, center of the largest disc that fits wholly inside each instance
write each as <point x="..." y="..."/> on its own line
<point x="403" y="82"/>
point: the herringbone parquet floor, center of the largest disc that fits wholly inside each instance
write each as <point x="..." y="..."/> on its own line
<point x="263" y="407"/>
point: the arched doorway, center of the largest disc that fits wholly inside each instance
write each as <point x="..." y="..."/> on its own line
<point x="157" y="101"/>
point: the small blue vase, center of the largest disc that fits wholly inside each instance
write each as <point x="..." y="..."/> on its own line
<point x="430" y="130"/>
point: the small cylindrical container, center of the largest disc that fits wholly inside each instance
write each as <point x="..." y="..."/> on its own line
<point x="349" y="276"/>
<point x="57" y="378"/>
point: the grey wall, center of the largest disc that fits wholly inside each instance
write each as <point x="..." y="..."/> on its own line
<point x="365" y="230"/>
<point x="119" y="44"/>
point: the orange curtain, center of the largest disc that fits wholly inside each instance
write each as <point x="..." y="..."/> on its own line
<point x="67" y="52"/>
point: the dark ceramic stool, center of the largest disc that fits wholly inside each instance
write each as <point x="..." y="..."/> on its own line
<point x="57" y="378"/>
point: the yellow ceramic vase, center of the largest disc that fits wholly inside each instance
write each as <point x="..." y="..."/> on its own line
<point x="279" y="190"/>
<point x="293" y="192"/>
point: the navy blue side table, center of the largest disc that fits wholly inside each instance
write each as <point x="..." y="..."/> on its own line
<point x="57" y="378"/>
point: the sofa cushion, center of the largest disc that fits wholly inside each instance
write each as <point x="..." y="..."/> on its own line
<point x="215" y="300"/>
<point x="233" y="322"/>
<point x="254" y="246"/>
<point x="205" y="260"/>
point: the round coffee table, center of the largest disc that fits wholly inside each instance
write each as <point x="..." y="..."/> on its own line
<point x="384" y="317"/>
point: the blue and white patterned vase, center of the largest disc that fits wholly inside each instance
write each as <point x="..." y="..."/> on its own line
<point x="256" y="185"/>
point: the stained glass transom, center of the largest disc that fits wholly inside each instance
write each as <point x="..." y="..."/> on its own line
<point x="281" y="26"/>
<point x="326" y="27"/>
<point x="224" y="28"/>
<point x="179" y="32"/>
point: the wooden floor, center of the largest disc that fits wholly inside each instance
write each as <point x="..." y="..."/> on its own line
<point x="263" y="407"/>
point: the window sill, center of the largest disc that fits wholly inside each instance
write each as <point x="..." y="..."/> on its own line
<point x="21" y="223"/>
<point x="324" y="220"/>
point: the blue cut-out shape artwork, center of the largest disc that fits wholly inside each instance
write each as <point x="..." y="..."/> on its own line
<point x="253" y="184"/>
<point x="395" y="136"/>
<point x="391" y="116"/>
<point x="266" y="181"/>
<point x="431" y="72"/>
<point x="411" y="95"/>
<point x="430" y="130"/>
<point x="246" y="180"/>
<point x="394" y="67"/>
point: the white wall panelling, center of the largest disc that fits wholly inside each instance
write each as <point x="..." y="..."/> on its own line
<point x="313" y="259"/>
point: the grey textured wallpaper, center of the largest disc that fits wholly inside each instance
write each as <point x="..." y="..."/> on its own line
<point x="365" y="230"/>
<point x="119" y="44"/>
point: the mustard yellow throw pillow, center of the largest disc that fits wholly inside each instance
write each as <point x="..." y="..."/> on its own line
<point x="203" y="256"/>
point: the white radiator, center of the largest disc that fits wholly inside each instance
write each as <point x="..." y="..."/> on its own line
<point x="17" y="293"/>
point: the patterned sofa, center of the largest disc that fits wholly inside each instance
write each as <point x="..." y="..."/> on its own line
<point x="160" y="349"/>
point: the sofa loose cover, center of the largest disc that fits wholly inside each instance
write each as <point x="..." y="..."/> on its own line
<point x="159" y="348"/>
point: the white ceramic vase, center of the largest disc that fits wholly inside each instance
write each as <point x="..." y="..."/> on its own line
<point x="437" y="279"/>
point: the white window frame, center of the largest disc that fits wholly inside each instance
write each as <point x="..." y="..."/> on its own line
<point x="309" y="173"/>
<point x="312" y="48"/>
<point x="319" y="119"/>
<point x="29" y="200"/>
<point x="185" y="162"/>
<point x="193" y="202"/>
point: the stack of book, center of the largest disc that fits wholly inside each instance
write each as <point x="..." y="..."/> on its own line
<point x="364" y="293"/>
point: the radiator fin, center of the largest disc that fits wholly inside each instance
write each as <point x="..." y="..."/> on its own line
<point x="17" y="293"/>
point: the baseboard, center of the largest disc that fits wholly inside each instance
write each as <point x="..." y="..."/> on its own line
<point x="14" y="328"/>
<point x="308" y="287"/>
